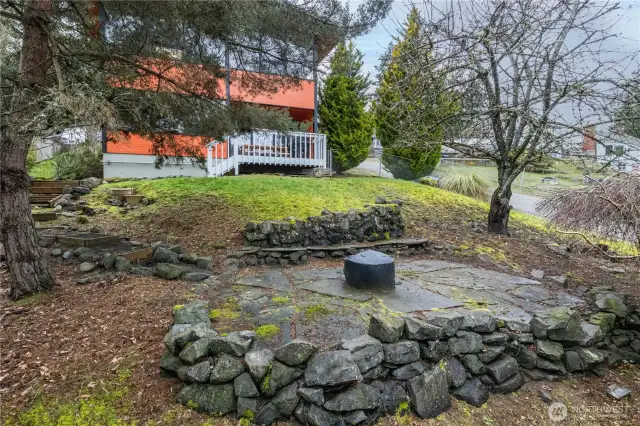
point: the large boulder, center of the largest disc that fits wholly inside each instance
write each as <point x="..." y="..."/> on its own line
<point x="510" y="385"/>
<point x="408" y="371"/>
<point x="401" y="353"/>
<point x="551" y="350"/>
<point x="490" y="353"/>
<point x="564" y="325"/>
<point x="449" y="321"/>
<point x="605" y="320"/>
<point x="526" y="358"/>
<point x="367" y="351"/>
<point x="613" y="303"/>
<point x="393" y="395"/>
<point x="332" y="368"/>
<point x="479" y="322"/>
<point x="465" y="342"/>
<point x="170" y="363"/>
<point x="312" y="395"/>
<point x="386" y="328"/>
<point x="429" y="393"/>
<point x="267" y="415"/>
<point x="316" y="416"/>
<point x="473" y="364"/>
<point x="214" y="399"/>
<point x="165" y="255"/>
<point x="195" y="351"/>
<point x="181" y="334"/>
<point x="473" y="392"/>
<point x="226" y="369"/>
<point x="295" y="352"/>
<point x="279" y="377"/>
<point x="287" y="399"/>
<point x="418" y="329"/>
<point x="168" y="271"/>
<point x="243" y="386"/>
<point x="237" y="343"/>
<point x="122" y="264"/>
<point x="357" y="397"/>
<point x="191" y="313"/>
<point x="455" y="372"/>
<point x="197" y="373"/>
<point x="502" y="369"/>
<point x="433" y="351"/>
<point x="259" y="362"/>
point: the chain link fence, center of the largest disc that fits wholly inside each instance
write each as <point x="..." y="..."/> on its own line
<point x="378" y="164"/>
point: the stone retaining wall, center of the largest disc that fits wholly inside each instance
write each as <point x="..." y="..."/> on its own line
<point x="285" y="256"/>
<point x="404" y="362"/>
<point x="378" y="222"/>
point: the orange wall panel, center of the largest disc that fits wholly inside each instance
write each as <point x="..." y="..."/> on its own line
<point x="193" y="78"/>
<point x="120" y="143"/>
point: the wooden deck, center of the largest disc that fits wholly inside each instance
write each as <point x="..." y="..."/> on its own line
<point x="296" y="149"/>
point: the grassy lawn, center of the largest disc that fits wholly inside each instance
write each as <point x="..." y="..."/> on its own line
<point x="262" y="197"/>
<point x="529" y="183"/>
<point x="43" y="170"/>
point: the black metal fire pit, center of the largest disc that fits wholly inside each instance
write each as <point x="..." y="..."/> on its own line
<point x="370" y="269"/>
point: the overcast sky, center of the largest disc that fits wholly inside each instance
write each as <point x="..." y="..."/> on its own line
<point x="374" y="43"/>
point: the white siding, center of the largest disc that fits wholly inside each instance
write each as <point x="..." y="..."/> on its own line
<point x="143" y="166"/>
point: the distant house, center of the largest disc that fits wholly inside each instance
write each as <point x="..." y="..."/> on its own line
<point x="62" y="140"/>
<point x="621" y="151"/>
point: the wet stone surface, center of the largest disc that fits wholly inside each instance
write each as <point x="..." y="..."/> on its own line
<point x="296" y="301"/>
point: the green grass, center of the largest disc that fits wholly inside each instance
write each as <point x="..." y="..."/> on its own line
<point x="268" y="197"/>
<point x="43" y="170"/>
<point x="104" y="404"/>
<point x="568" y="175"/>
<point x="264" y="197"/>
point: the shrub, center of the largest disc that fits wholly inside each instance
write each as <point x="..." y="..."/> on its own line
<point x="410" y="163"/>
<point x="465" y="182"/>
<point x="608" y="208"/>
<point x="82" y="161"/>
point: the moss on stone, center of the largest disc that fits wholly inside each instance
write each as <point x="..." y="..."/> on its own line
<point x="266" y="331"/>
<point x="104" y="407"/>
<point x="280" y="299"/>
<point x="314" y="311"/>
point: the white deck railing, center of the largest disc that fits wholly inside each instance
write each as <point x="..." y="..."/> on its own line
<point x="268" y="148"/>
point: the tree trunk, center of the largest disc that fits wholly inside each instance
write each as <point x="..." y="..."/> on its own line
<point x="27" y="267"/>
<point x="498" y="220"/>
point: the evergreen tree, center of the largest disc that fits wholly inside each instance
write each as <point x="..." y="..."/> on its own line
<point x="342" y="108"/>
<point x="628" y="115"/>
<point x="402" y="105"/>
<point x="145" y="66"/>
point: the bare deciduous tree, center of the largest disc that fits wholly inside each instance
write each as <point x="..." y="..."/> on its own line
<point x="537" y="70"/>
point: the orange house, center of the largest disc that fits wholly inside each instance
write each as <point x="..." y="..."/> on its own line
<point x="131" y="155"/>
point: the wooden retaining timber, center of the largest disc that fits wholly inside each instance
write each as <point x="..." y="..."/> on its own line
<point x="46" y="192"/>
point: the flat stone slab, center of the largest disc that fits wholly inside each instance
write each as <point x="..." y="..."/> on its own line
<point x="428" y="284"/>
<point x="406" y="297"/>
<point x="271" y="279"/>
<point x="330" y="282"/>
